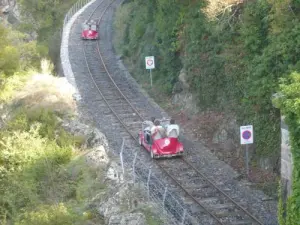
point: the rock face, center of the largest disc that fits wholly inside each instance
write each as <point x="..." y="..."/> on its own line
<point x="94" y="141"/>
<point x="117" y="209"/>
<point x="9" y="11"/>
<point x="182" y="96"/>
<point x="10" y="3"/>
<point x="128" y="219"/>
<point x="224" y="133"/>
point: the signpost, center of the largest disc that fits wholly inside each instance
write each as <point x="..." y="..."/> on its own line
<point x="246" y="134"/>
<point x="149" y="60"/>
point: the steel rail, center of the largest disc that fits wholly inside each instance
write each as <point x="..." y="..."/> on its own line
<point x="226" y="195"/>
<point x="141" y="117"/>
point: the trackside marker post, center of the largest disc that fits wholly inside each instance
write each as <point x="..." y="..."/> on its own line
<point x="133" y="167"/>
<point x="121" y="155"/>
<point x="246" y="135"/>
<point x="151" y="77"/>
<point x="150" y="64"/>
<point x="148" y="183"/>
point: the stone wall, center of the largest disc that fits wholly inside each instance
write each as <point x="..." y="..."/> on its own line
<point x="286" y="160"/>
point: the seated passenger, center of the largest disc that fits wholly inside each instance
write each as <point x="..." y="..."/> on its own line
<point x="157" y="131"/>
<point x="149" y="123"/>
<point x="147" y="131"/>
<point x="172" y="129"/>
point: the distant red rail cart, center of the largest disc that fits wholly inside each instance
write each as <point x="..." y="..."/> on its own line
<point x="90" y="30"/>
<point x="161" y="148"/>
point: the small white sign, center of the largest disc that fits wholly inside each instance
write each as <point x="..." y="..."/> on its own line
<point x="246" y="133"/>
<point x="149" y="60"/>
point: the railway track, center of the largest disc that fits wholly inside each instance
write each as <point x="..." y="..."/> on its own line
<point x="206" y="202"/>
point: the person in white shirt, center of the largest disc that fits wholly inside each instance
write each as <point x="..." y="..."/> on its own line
<point x="172" y="129"/>
<point x="147" y="131"/>
<point x="157" y="131"/>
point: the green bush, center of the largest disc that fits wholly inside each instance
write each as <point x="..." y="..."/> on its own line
<point x="9" y="54"/>
<point x="27" y="161"/>
<point x="38" y="165"/>
<point x="20" y="148"/>
<point x="49" y="126"/>
<point x="17" y="53"/>
<point x="11" y="84"/>
<point x="51" y="215"/>
<point x="48" y="17"/>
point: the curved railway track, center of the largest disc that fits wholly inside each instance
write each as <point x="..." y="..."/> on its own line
<point x="207" y="202"/>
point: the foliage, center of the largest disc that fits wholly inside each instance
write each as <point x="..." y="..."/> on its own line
<point x="45" y="17"/>
<point x="146" y="31"/>
<point x="123" y="14"/>
<point x="11" y="84"/>
<point x="51" y="215"/>
<point x="9" y="55"/>
<point x="38" y="166"/>
<point x="17" y="53"/>
<point x="9" y="59"/>
<point x="289" y="103"/>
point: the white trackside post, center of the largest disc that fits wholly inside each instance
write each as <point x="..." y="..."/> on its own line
<point x="164" y="197"/>
<point x="148" y="184"/>
<point x="247" y="161"/>
<point x="183" y="216"/>
<point x="150" y="78"/>
<point x="246" y="135"/>
<point x="121" y="155"/>
<point x="133" y="167"/>
<point x="150" y="64"/>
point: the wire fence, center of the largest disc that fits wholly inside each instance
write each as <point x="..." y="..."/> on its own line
<point x="70" y="17"/>
<point x="156" y="190"/>
<point x="74" y="9"/>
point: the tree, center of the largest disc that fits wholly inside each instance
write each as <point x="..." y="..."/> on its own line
<point x="9" y="55"/>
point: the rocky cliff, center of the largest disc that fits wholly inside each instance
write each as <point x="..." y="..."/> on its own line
<point x="9" y="11"/>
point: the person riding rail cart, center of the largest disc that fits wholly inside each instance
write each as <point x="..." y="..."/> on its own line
<point x="161" y="138"/>
<point x="172" y="130"/>
<point x="147" y="131"/>
<point x="157" y="131"/>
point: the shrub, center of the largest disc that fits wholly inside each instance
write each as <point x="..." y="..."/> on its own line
<point x="51" y="215"/>
<point x="11" y="84"/>
<point x="19" y="148"/>
<point x="37" y="168"/>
